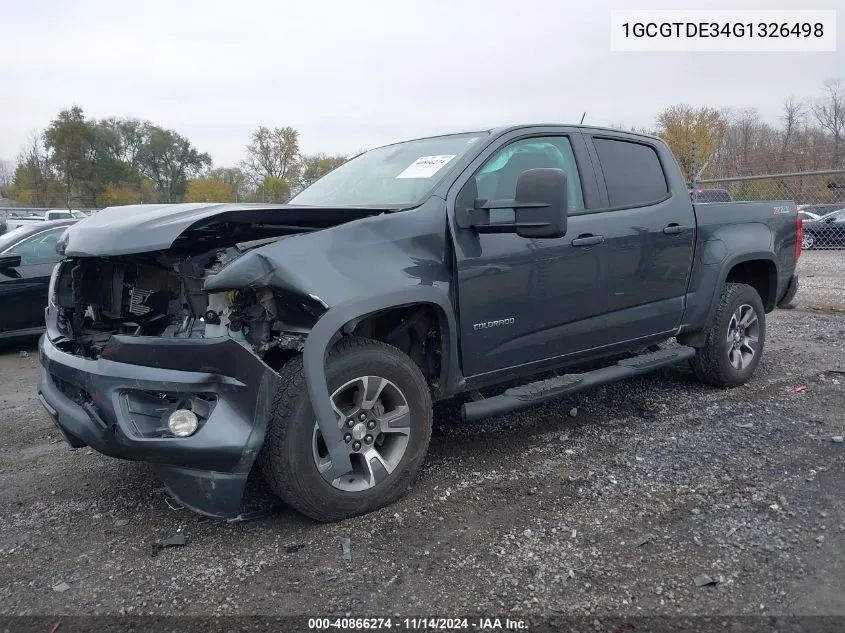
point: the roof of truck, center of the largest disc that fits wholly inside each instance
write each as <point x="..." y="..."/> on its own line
<point x="510" y="128"/>
<point x="580" y="126"/>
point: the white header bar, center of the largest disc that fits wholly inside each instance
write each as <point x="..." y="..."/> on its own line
<point x="723" y="30"/>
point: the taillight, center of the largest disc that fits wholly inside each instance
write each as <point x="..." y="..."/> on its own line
<point x="799" y="235"/>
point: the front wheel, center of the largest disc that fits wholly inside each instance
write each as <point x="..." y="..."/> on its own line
<point x="734" y="343"/>
<point x="383" y="406"/>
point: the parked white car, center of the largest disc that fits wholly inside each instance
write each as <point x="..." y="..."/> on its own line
<point x="50" y="214"/>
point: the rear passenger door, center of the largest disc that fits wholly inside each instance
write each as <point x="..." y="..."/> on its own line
<point x="648" y="238"/>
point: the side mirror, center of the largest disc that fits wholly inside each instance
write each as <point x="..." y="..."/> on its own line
<point x="9" y="261"/>
<point x="539" y="206"/>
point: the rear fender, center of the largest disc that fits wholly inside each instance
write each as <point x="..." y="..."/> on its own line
<point x="717" y="274"/>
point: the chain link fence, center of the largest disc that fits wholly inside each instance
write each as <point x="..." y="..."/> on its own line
<point x="820" y="197"/>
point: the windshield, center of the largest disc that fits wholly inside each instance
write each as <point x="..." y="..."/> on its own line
<point x="397" y="175"/>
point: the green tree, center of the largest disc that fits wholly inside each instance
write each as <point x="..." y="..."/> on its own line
<point x="169" y="159"/>
<point x="316" y="166"/>
<point x="34" y="183"/>
<point x="274" y="190"/>
<point x="119" y="194"/>
<point x="208" y="190"/>
<point x="234" y="178"/>
<point x="684" y="127"/>
<point x="69" y="143"/>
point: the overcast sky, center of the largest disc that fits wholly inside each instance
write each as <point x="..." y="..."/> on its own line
<point x="352" y="74"/>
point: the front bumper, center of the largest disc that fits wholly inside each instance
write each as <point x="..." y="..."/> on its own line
<point x="91" y="402"/>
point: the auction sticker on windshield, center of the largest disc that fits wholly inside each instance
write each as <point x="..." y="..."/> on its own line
<point x="426" y="166"/>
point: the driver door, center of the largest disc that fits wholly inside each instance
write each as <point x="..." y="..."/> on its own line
<point x="525" y="300"/>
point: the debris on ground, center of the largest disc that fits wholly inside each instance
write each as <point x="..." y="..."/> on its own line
<point x="478" y="555"/>
<point x="177" y="539"/>
<point x="292" y="548"/>
<point x="703" y="580"/>
<point x="254" y="515"/>
<point x="23" y="354"/>
<point x="642" y="540"/>
<point x="573" y="412"/>
<point x="61" y="587"/>
<point x="838" y="439"/>
<point x="346" y="544"/>
<point x="799" y="389"/>
<point x="121" y="523"/>
<point x="173" y="504"/>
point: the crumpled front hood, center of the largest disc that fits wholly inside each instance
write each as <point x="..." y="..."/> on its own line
<point x="142" y="228"/>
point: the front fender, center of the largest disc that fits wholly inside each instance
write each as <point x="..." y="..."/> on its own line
<point x="321" y="335"/>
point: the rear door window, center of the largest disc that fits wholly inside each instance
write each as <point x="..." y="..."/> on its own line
<point x="632" y="172"/>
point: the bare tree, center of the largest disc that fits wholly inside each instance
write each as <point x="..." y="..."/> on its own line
<point x="792" y="118"/>
<point x="829" y="111"/>
<point x="273" y="154"/>
<point x="7" y="173"/>
<point x="38" y="185"/>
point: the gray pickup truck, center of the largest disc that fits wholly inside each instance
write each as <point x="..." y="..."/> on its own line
<point x="310" y="339"/>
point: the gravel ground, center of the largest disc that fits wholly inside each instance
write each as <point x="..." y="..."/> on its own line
<point x="822" y="282"/>
<point x="616" y="508"/>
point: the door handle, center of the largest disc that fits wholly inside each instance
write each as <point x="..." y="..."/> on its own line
<point x="587" y="240"/>
<point x="674" y="229"/>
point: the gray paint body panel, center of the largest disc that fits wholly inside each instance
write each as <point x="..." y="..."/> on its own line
<point x="639" y="286"/>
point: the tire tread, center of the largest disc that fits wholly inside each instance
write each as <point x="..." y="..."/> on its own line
<point x="708" y="362"/>
<point x="279" y="472"/>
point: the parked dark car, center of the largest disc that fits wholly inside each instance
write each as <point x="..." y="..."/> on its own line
<point x="310" y="339"/>
<point x="27" y="257"/>
<point x="826" y="232"/>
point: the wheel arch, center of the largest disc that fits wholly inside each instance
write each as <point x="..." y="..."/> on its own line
<point x="345" y="315"/>
<point x="757" y="269"/>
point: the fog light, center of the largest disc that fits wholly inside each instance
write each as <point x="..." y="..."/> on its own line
<point x="183" y="422"/>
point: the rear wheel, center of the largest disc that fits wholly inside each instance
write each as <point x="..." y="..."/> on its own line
<point x="383" y="407"/>
<point x="734" y="343"/>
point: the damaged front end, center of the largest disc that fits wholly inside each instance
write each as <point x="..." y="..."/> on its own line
<point x="132" y="339"/>
<point x="161" y="295"/>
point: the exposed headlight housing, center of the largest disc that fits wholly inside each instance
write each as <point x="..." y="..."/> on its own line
<point x="51" y="289"/>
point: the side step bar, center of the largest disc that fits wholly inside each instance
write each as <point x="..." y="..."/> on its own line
<point x="533" y="393"/>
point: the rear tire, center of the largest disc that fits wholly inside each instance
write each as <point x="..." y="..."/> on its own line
<point x="295" y="462"/>
<point x="734" y="343"/>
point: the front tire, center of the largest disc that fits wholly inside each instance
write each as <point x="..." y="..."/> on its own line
<point x="383" y="404"/>
<point x="734" y="343"/>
